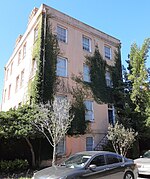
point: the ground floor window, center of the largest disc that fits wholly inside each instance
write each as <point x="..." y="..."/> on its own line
<point x="61" y="147"/>
<point x="89" y="143"/>
<point x="111" y="117"/>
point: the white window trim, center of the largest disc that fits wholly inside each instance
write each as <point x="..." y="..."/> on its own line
<point x="22" y="78"/>
<point x="19" y="56"/>
<point x="24" y="50"/>
<point x="90" y="111"/>
<point x="17" y="83"/>
<point x="92" y="142"/>
<point x="110" y="52"/>
<point x="108" y="79"/>
<point x="36" y="33"/>
<point x="90" y="48"/>
<point x="66" y="67"/>
<point x="66" y="35"/>
<point x="111" y="107"/>
<point x="64" y="147"/>
<point x="86" y="77"/>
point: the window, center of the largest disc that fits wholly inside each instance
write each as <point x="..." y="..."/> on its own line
<point x="98" y="161"/>
<point x="17" y="83"/>
<point x="61" y="67"/>
<point x="24" y="50"/>
<point x="7" y="73"/>
<point x="108" y="79"/>
<point x="111" y="159"/>
<point x="89" y="143"/>
<point x="35" y="34"/>
<point x="111" y="118"/>
<point x="107" y="51"/>
<point x="60" y="148"/>
<point x="86" y="73"/>
<point x="89" y="113"/>
<point x="86" y="43"/>
<point x="62" y="34"/>
<point x="11" y="68"/>
<point x="19" y="57"/>
<point x="22" y="78"/>
<point x="4" y="98"/>
<point x="34" y="67"/>
<point x="9" y="91"/>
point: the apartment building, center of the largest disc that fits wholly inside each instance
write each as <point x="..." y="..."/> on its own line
<point x="76" y="40"/>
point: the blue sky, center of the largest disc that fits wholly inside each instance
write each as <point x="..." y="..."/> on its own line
<point x="128" y="20"/>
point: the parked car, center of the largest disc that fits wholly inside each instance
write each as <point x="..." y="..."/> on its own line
<point x="143" y="163"/>
<point x="91" y="164"/>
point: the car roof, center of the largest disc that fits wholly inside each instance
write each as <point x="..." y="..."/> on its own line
<point x="92" y="153"/>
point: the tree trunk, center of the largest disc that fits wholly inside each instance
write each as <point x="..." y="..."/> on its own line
<point x="54" y="155"/>
<point x="32" y="151"/>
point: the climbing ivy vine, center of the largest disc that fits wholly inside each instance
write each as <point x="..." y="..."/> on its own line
<point x="45" y="52"/>
<point x="51" y="52"/>
<point x="44" y="85"/>
<point x="78" y="124"/>
<point x="99" y="88"/>
<point x="35" y="84"/>
<point x="101" y="92"/>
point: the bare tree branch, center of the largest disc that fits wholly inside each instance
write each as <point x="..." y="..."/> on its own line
<point x="54" y="120"/>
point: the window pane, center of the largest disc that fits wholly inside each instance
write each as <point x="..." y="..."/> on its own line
<point x="107" y="52"/>
<point x="22" y="78"/>
<point x="19" y="57"/>
<point x="98" y="161"/>
<point x="89" y="113"/>
<point x="60" y="147"/>
<point x="35" y="34"/>
<point x="89" y="143"/>
<point x="61" y="34"/>
<point x="61" y="67"/>
<point x="86" y="44"/>
<point x="9" y="91"/>
<point x="86" y="73"/>
<point x="112" y="159"/>
<point x="17" y="83"/>
<point x="108" y="79"/>
<point x="24" y="50"/>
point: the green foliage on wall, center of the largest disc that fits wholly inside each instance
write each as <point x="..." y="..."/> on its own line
<point x="51" y="52"/>
<point x="43" y="87"/>
<point x="101" y="92"/>
<point x="78" y="125"/>
<point x="45" y="52"/>
<point x="98" y="66"/>
<point x="35" y="85"/>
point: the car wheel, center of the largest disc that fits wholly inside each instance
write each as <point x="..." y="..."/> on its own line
<point x="128" y="175"/>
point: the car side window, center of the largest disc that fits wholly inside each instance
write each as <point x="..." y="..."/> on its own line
<point x="98" y="161"/>
<point x="113" y="159"/>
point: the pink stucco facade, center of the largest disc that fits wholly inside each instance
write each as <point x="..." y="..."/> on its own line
<point x="72" y="50"/>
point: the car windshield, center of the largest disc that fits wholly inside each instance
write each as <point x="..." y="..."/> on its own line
<point x="147" y="154"/>
<point x="77" y="161"/>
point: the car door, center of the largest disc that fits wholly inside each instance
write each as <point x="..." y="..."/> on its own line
<point x="99" y="171"/>
<point x="115" y="166"/>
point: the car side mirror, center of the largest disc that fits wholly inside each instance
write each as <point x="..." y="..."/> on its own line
<point x="92" y="167"/>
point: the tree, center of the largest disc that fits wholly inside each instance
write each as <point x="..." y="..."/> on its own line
<point x="138" y="75"/>
<point x="16" y="124"/>
<point x="122" y="138"/>
<point x="53" y="120"/>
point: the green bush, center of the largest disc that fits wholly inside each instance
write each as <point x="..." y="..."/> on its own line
<point x="15" y="165"/>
